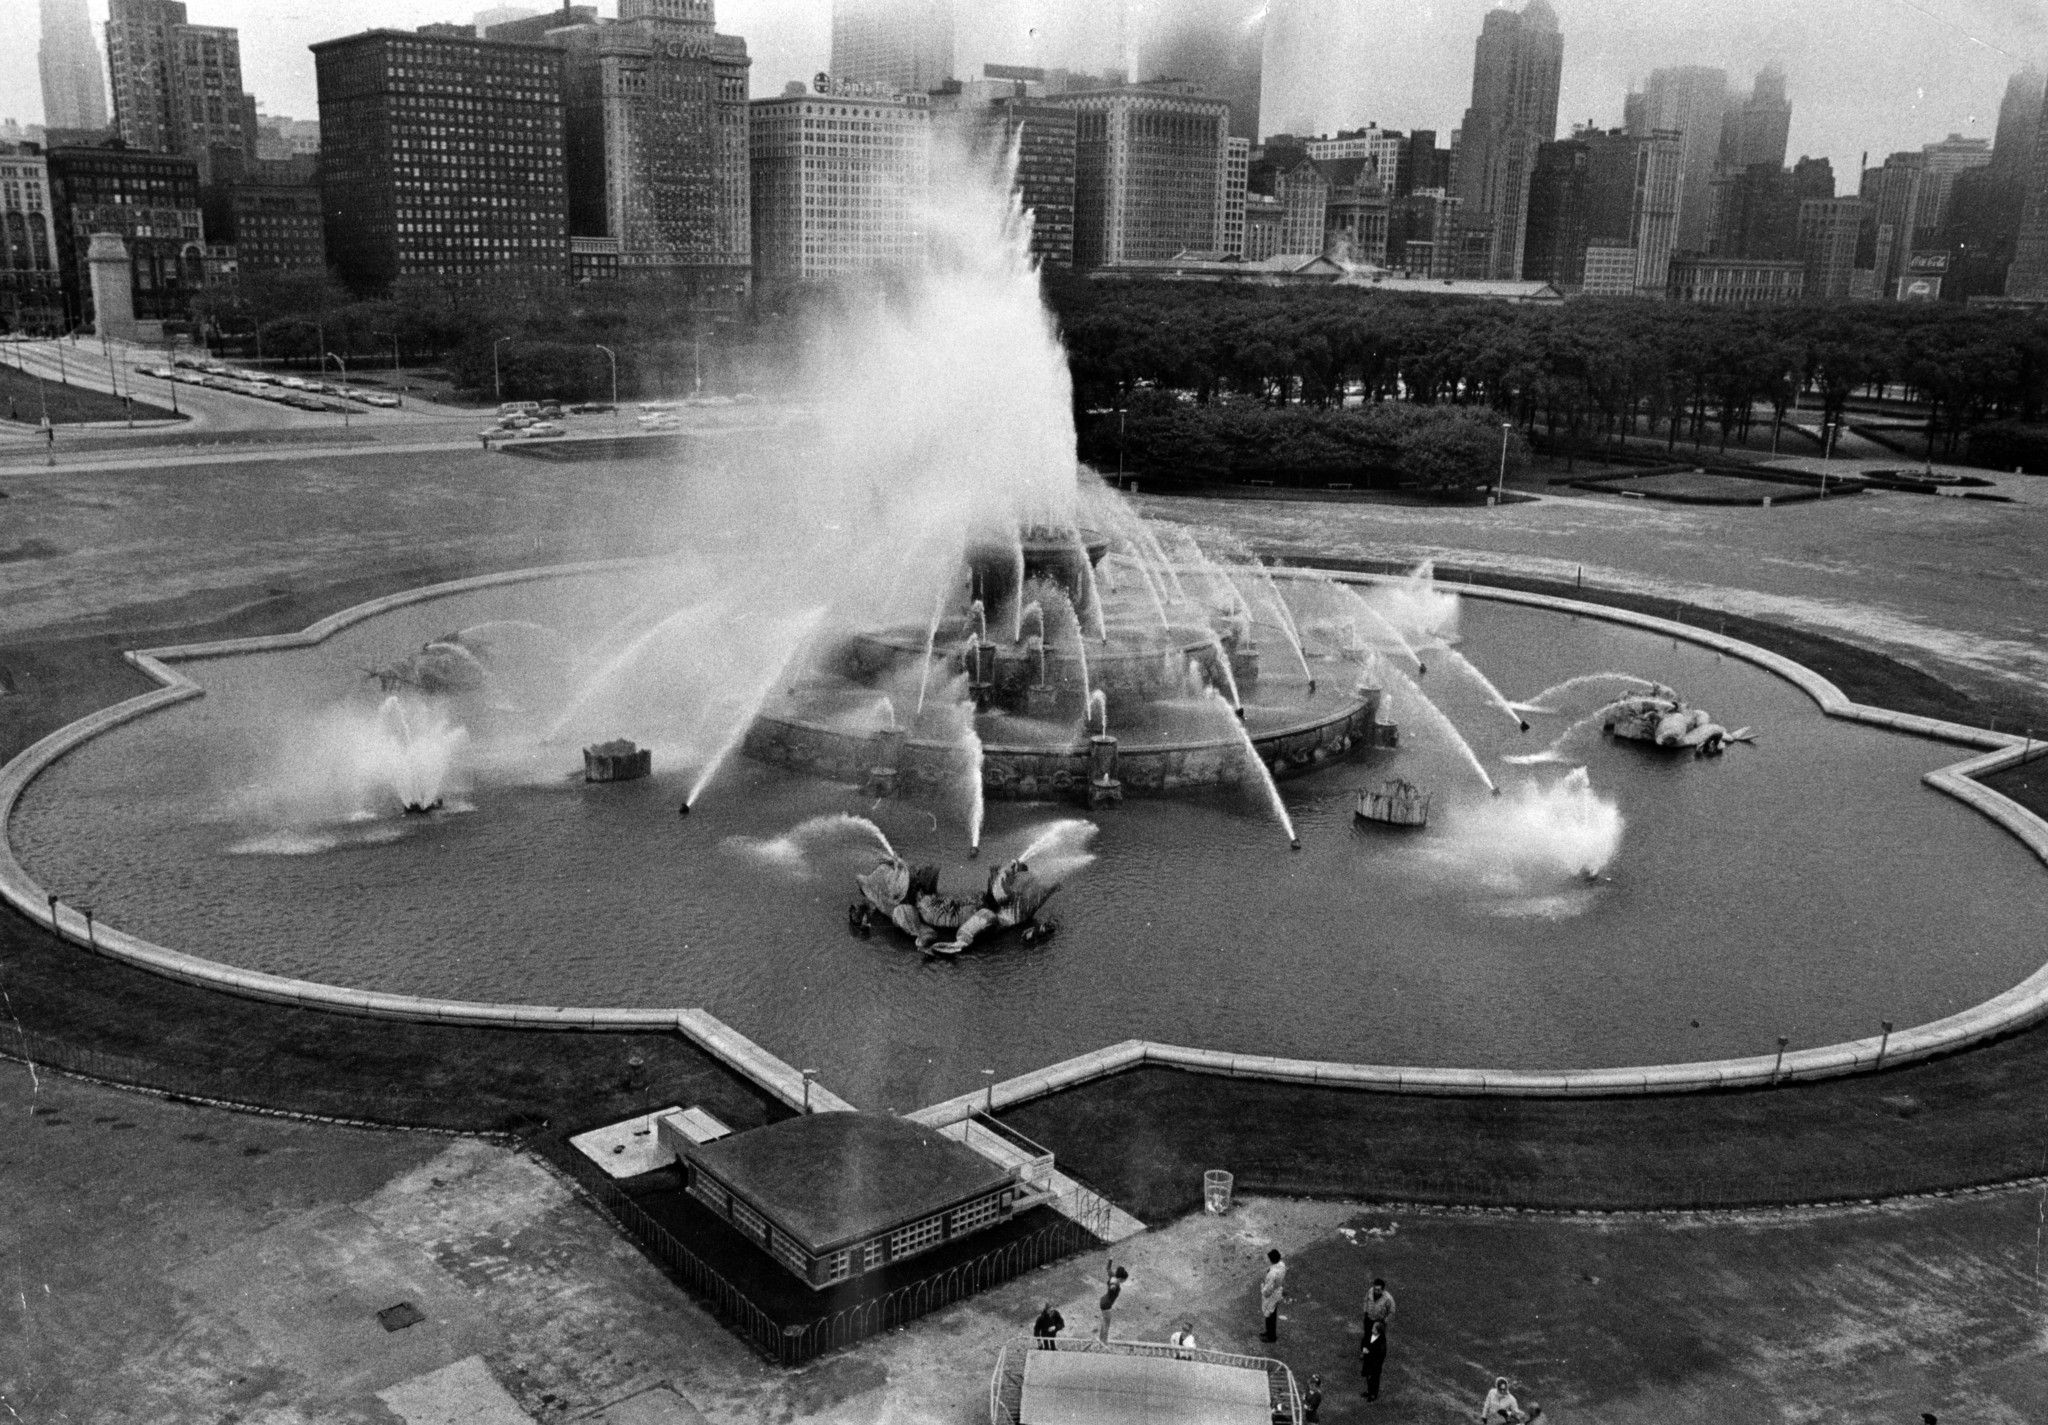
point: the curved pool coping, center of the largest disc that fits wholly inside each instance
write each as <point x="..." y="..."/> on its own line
<point x="2021" y="1005"/>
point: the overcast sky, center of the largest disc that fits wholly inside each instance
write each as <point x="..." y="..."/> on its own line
<point x="1873" y="75"/>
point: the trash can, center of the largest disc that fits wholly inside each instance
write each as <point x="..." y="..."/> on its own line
<point x="1216" y="1190"/>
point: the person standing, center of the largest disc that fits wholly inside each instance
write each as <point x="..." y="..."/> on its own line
<point x="1273" y="1291"/>
<point x="1113" y="1287"/>
<point x="1048" y="1326"/>
<point x="1312" y="1401"/>
<point x="1372" y="1358"/>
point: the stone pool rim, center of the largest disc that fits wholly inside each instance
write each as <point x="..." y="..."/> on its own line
<point x="2021" y="1005"/>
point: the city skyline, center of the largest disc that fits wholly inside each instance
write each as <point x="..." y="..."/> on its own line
<point x="1906" y="82"/>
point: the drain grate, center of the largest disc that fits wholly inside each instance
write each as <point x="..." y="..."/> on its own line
<point x="397" y="1318"/>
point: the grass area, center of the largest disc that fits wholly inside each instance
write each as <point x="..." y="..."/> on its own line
<point x="24" y="396"/>
<point x="1145" y="1137"/>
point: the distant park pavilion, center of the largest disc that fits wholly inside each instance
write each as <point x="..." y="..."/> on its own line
<point x="832" y="1196"/>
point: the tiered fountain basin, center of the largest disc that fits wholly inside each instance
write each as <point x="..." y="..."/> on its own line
<point x="1810" y="886"/>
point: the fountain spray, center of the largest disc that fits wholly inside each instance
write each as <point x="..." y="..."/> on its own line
<point x="801" y="628"/>
<point x="1263" y="773"/>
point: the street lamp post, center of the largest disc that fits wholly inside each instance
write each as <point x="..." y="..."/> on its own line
<point x="1827" y="450"/>
<point x="1500" y="484"/>
<point x="338" y="360"/>
<point x="497" y="383"/>
<point x="614" y="360"/>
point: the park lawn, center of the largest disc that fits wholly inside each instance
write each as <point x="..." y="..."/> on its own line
<point x="1712" y="487"/>
<point x="24" y="396"/>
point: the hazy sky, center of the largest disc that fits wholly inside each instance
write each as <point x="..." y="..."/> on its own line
<point x="1873" y="75"/>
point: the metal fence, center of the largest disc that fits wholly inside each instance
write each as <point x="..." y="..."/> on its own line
<point x="1006" y="1386"/>
<point x="795" y="1343"/>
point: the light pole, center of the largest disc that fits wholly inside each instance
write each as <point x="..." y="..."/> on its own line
<point x="614" y="360"/>
<point x="1827" y="450"/>
<point x="1500" y="484"/>
<point x="336" y="357"/>
<point x="394" y="366"/>
<point x="808" y="1075"/>
<point x="497" y="384"/>
<point x="171" y="365"/>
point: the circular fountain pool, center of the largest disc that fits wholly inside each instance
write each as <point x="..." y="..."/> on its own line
<point x="1806" y="886"/>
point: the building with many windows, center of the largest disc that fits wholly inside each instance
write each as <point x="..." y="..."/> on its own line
<point x="1263" y="215"/>
<point x="658" y="157"/>
<point x="1736" y="281"/>
<point x="1236" y="183"/>
<point x="74" y="86"/>
<point x="177" y="86"/>
<point x="1828" y="230"/>
<point x="1690" y="101"/>
<point x="1516" y="68"/>
<point x="840" y="179"/>
<point x="29" y="292"/>
<point x="148" y="200"/>
<point x="1151" y="173"/>
<point x="1603" y="192"/>
<point x="441" y="156"/>
<point x="983" y="120"/>
<point x="273" y="226"/>
<point x="900" y="46"/>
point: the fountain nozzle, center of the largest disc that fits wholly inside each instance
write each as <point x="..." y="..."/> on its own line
<point x="1294" y="846"/>
<point x="1240" y="712"/>
<point x="683" y="810"/>
<point x="974" y="853"/>
<point x="1525" y="726"/>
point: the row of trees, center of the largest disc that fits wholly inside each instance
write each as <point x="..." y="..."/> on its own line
<point x="1579" y="372"/>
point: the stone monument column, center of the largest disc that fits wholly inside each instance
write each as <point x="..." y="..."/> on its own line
<point x="113" y="286"/>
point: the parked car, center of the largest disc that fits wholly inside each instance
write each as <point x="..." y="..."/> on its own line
<point x="516" y="420"/>
<point x="292" y="383"/>
<point x="377" y="398"/>
<point x="549" y="410"/>
<point x="542" y="430"/>
<point x="592" y="408"/>
<point x="518" y="408"/>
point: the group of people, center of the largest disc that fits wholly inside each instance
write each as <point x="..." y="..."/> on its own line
<point x="1499" y="1408"/>
<point x="909" y="898"/>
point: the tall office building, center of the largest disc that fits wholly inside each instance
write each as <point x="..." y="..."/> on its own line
<point x="177" y="86"/>
<point x="151" y="202"/>
<point x="1828" y="229"/>
<point x="1217" y="45"/>
<point x="1757" y="130"/>
<point x="1946" y="161"/>
<point x="1151" y="173"/>
<point x="1982" y="225"/>
<point x="2027" y="278"/>
<point x="29" y="288"/>
<point x="1691" y="101"/>
<point x="1304" y="193"/>
<point x="1756" y="213"/>
<point x="1891" y="197"/>
<point x="656" y="137"/>
<point x="902" y="46"/>
<point x="1007" y="110"/>
<point x="1602" y="213"/>
<point x="74" y="86"/>
<point x="1236" y="184"/>
<point x="1515" y="72"/>
<point x="839" y="182"/>
<point x="441" y="155"/>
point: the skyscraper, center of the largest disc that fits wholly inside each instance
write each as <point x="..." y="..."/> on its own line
<point x="1692" y="101"/>
<point x="1151" y="173"/>
<point x="839" y="182"/>
<point x="1985" y="204"/>
<point x="905" y="46"/>
<point x="1828" y="229"/>
<point x="177" y="86"/>
<point x="1601" y="211"/>
<point x="1946" y="161"/>
<point x="656" y="135"/>
<point x="1891" y="197"/>
<point x="1218" y="45"/>
<point x="1515" y="73"/>
<point x="441" y="155"/>
<point x="1760" y="128"/>
<point x="74" y="86"/>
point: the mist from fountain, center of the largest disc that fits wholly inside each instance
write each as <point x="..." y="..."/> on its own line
<point x="1537" y="835"/>
<point x="616" y="666"/>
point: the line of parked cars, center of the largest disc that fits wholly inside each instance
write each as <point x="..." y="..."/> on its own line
<point x="295" y="391"/>
<point x="536" y="420"/>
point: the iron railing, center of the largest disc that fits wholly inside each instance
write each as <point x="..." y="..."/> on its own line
<point x="1006" y="1386"/>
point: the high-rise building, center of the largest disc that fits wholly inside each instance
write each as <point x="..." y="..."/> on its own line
<point x="74" y="86"/>
<point x="1236" y="184"/>
<point x="989" y="117"/>
<point x="655" y="130"/>
<point x="1423" y="233"/>
<point x="1691" y="101"/>
<point x="441" y="155"/>
<point x="839" y="182"/>
<point x="1356" y="212"/>
<point x="29" y="288"/>
<point x="1516" y="67"/>
<point x="1596" y="196"/>
<point x="1828" y="230"/>
<point x="177" y="86"/>
<point x="1756" y="213"/>
<point x="1424" y="165"/>
<point x="1217" y="45"/>
<point x="1813" y="178"/>
<point x="1987" y="205"/>
<point x="1386" y="148"/>
<point x="901" y="46"/>
<point x="273" y="222"/>
<point x="1946" y="161"/>
<point x="1151" y="172"/>
<point x="1891" y="197"/>
<point x="151" y="202"/>
<point x="1304" y="194"/>
<point x="1757" y="131"/>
